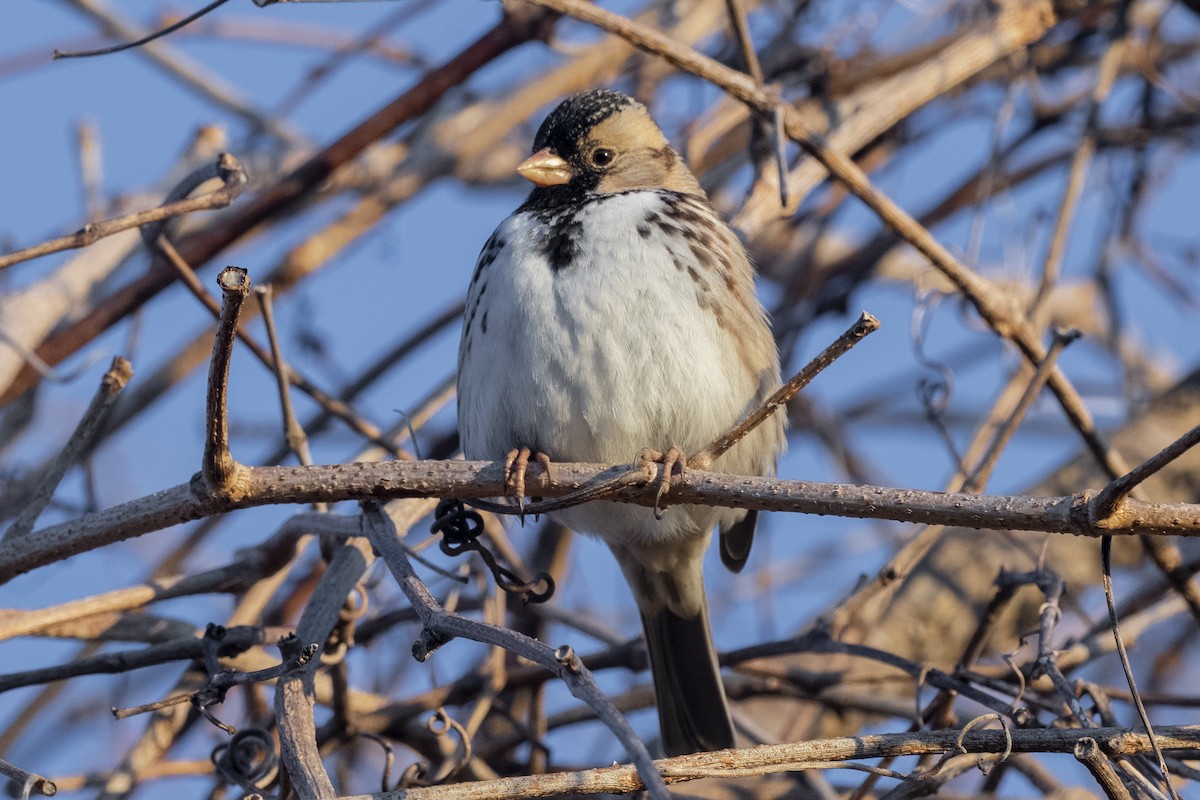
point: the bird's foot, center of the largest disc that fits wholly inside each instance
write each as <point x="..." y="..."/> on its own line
<point x="515" y="465"/>
<point x="674" y="463"/>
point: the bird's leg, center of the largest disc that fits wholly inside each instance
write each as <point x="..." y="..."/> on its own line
<point x="515" y="465"/>
<point x="674" y="463"/>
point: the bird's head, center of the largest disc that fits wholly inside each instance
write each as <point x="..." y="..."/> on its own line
<point x="604" y="142"/>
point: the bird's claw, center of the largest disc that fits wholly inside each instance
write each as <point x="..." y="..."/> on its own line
<point x="516" y="463"/>
<point x="674" y="462"/>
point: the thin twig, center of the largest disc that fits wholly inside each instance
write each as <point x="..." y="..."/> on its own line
<point x="293" y="432"/>
<point x="375" y="369"/>
<point x="1052" y="588"/>
<point x="863" y="327"/>
<point x="91" y="169"/>
<point x="1111" y="602"/>
<point x="221" y="472"/>
<point x="737" y="16"/>
<point x="765" y="125"/>
<point x="189" y="73"/>
<point x="111" y="384"/>
<point x="343" y="411"/>
<point x="983" y="468"/>
<point x="1110" y="64"/>
<point x="1115" y="492"/>
<point x="227" y="169"/>
<point x="190" y="18"/>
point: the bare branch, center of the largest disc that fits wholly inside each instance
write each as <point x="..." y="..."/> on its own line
<point x="767" y="759"/>
<point x="227" y="169"/>
<point x="111" y="384"/>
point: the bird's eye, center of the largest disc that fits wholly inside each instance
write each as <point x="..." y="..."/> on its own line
<point x="602" y="156"/>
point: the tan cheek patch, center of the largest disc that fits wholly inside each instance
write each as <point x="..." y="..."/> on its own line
<point x="638" y="169"/>
<point x="645" y="159"/>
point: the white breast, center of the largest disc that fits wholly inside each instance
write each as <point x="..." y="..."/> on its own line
<point x="599" y="357"/>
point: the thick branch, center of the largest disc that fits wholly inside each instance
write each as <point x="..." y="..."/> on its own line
<point x="261" y="486"/>
<point x="790" y="757"/>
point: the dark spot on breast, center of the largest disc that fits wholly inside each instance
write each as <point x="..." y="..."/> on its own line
<point x="673" y="230"/>
<point x="704" y="256"/>
<point x="483" y="322"/>
<point x="643" y="230"/>
<point x="562" y="246"/>
<point x="679" y="263"/>
<point x="488" y="255"/>
<point x="688" y="215"/>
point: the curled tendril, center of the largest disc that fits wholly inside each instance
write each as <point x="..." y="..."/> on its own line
<point x="248" y="759"/>
<point x="389" y="757"/>
<point x="413" y="775"/>
<point x="341" y="637"/>
<point x="460" y="529"/>
<point x="986" y="765"/>
<point x="442" y="724"/>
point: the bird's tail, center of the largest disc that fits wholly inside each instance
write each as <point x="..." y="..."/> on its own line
<point x="692" y="711"/>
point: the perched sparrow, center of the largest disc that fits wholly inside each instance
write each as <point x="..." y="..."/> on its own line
<point x="615" y="311"/>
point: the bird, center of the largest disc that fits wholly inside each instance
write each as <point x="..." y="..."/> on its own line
<point x="613" y="316"/>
